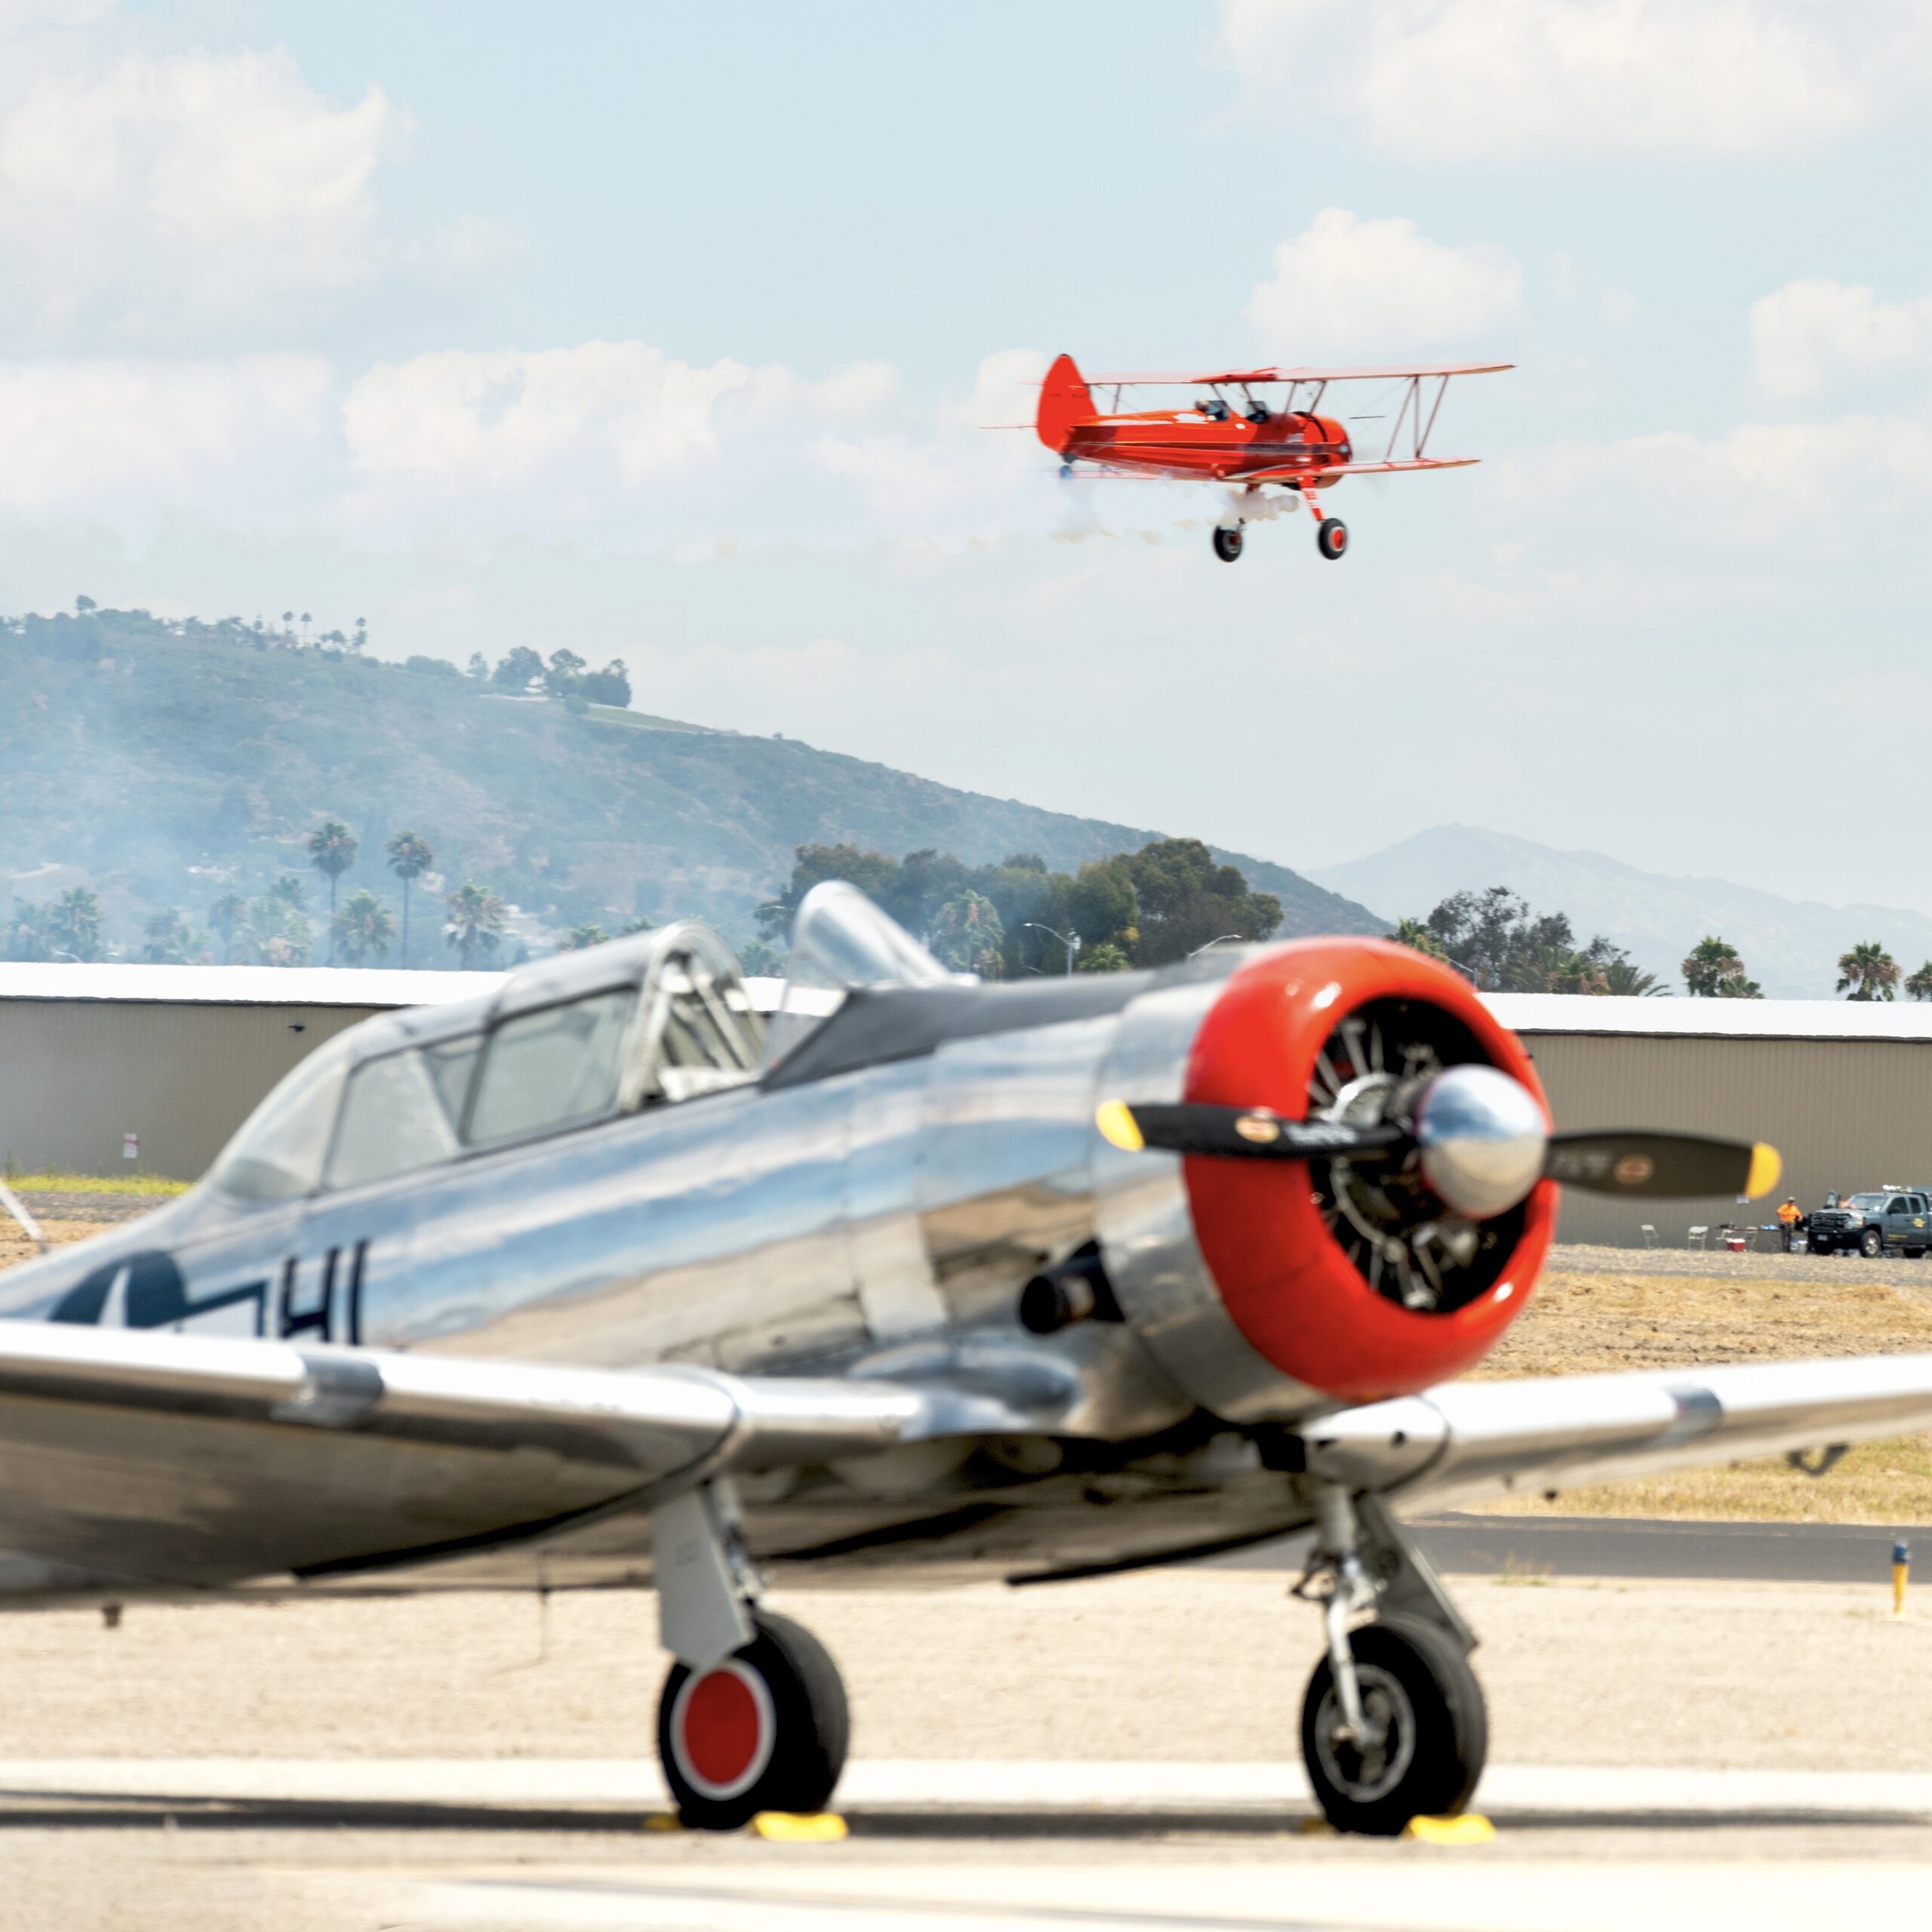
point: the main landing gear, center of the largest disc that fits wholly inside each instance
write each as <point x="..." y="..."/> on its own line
<point x="752" y="1717"/>
<point x="1393" y="1726"/>
<point x="1331" y="536"/>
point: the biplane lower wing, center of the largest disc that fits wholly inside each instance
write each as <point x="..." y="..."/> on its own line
<point x="1302" y="472"/>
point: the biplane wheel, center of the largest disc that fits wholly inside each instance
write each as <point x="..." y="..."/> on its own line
<point x="1331" y="538"/>
<point x="764" y="1730"/>
<point x="1417" y="1685"/>
<point x="1227" y="543"/>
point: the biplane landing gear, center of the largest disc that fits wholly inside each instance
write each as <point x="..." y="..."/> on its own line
<point x="752" y="1717"/>
<point x="1393" y="1726"/>
<point x="1331" y="537"/>
<point x="1227" y="542"/>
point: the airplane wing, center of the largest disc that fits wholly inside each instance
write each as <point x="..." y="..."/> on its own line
<point x="1356" y="468"/>
<point x="1467" y="1440"/>
<point x="176" y="1458"/>
<point x="1373" y="373"/>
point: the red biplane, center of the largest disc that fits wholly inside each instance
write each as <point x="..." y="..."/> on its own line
<point x="1231" y="436"/>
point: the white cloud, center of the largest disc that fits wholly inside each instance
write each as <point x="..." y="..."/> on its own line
<point x="466" y="417"/>
<point x="1512" y="80"/>
<point x="1814" y="334"/>
<point x="1346" y="286"/>
<point x="109" y="439"/>
<point x="180" y="189"/>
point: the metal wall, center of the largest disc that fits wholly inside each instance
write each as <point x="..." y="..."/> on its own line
<point x="77" y="1075"/>
<point x="1844" y="1114"/>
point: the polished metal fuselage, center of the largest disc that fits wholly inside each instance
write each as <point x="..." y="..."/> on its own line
<point x="878" y="1221"/>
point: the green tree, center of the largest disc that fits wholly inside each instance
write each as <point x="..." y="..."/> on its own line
<point x="473" y="923"/>
<point x="1919" y="986"/>
<point x="1187" y="900"/>
<point x="610" y="686"/>
<point x="515" y="671"/>
<point x="169" y="940"/>
<point x="73" y="926"/>
<point x="1868" y="972"/>
<point x="410" y="857"/>
<point x="479" y="667"/>
<point x="332" y="851"/>
<point x="1627" y="980"/>
<point x="228" y="916"/>
<point x="582" y="937"/>
<point x="364" y="926"/>
<point x="1105" y="957"/>
<point x="26" y="935"/>
<point x="1712" y="970"/>
<point x="564" y="674"/>
<point x="966" y="934"/>
<point x="275" y="931"/>
<point x="1413" y="934"/>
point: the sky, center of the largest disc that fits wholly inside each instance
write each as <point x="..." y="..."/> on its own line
<point x="673" y="333"/>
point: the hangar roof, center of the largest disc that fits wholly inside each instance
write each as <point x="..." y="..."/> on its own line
<point x="1713" y="1019"/>
<point x="240" y="986"/>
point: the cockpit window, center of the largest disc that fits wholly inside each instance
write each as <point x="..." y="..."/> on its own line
<point x="401" y="1114"/>
<point x="556" y="1067"/>
<point x="277" y="1153"/>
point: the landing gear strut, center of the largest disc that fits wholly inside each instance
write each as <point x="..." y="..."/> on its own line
<point x="752" y="1717"/>
<point x="1393" y="1726"/>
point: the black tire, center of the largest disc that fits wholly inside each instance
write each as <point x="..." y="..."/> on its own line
<point x="1227" y="544"/>
<point x="1417" y="1679"/>
<point x="1331" y="537"/>
<point x="1870" y="1244"/>
<point x="789" y="1686"/>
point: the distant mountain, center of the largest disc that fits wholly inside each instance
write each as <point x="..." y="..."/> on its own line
<point x="1791" y="946"/>
<point x="165" y="770"/>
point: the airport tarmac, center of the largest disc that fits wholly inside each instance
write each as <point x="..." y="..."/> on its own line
<point x="1112" y="1754"/>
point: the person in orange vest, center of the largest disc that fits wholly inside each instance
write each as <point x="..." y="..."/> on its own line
<point x="1789" y="1215"/>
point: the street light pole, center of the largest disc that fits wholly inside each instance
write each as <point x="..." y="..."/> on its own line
<point x="1199" y="950"/>
<point x="1071" y="944"/>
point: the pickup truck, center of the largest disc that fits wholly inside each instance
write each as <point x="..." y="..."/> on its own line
<point x="1890" y="1220"/>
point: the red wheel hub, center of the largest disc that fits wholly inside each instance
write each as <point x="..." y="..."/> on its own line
<point x="722" y="1729"/>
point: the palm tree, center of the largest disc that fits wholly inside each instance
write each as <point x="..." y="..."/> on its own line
<point x="1712" y="970"/>
<point x="364" y="926"/>
<point x="1868" y="972"/>
<point x="1625" y="978"/>
<point x="171" y="941"/>
<point x="73" y="925"/>
<point x="409" y="858"/>
<point x="473" y="921"/>
<point x="1411" y="933"/>
<point x="306" y="620"/>
<point x="227" y="917"/>
<point x="1919" y="986"/>
<point x="332" y="851"/>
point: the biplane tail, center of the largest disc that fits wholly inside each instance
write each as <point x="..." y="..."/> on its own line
<point x="1065" y="400"/>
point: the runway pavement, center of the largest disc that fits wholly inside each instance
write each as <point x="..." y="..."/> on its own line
<point x="1114" y="1756"/>
<point x="1477" y="1545"/>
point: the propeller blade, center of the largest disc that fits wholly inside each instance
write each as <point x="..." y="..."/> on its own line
<point x="1661" y="1167"/>
<point x="1250" y="1134"/>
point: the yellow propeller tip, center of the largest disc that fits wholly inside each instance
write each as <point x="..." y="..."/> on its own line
<point x="1119" y="1128"/>
<point x="1765" y="1168"/>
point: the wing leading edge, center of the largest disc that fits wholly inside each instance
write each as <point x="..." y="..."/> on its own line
<point x="1467" y="1440"/>
<point x="172" y="1460"/>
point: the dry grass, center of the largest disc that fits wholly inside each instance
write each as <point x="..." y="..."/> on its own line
<point x="157" y="1186"/>
<point x="1582" y="1323"/>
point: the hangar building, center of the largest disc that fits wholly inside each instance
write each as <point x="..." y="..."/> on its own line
<point x="175" y="1056"/>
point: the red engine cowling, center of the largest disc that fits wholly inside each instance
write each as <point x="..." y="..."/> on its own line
<point x="1294" y="1251"/>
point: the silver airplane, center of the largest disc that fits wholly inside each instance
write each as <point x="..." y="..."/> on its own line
<point x="603" y="1278"/>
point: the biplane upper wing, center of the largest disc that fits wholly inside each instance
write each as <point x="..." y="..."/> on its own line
<point x="1389" y="372"/>
<point x="159" y="1458"/>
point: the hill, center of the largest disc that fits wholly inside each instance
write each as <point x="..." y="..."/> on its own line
<point x="163" y="765"/>
<point x="1790" y="946"/>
